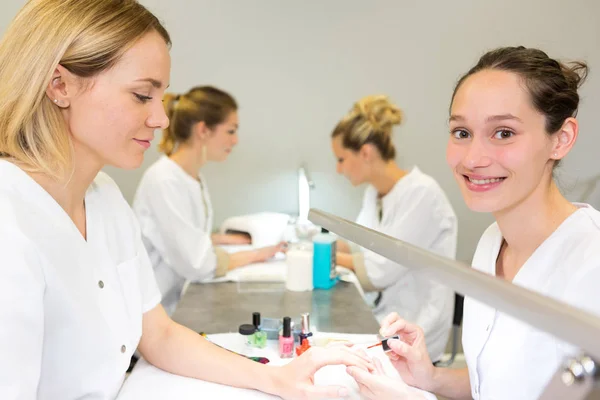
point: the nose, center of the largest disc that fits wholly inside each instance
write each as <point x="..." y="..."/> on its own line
<point x="477" y="155"/>
<point x="234" y="139"/>
<point x="158" y="118"/>
<point x="338" y="167"/>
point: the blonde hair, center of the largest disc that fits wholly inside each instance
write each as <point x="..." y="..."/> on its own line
<point x="201" y="104"/>
<point x="84" y="36"/>
<point x="371" y="120"/>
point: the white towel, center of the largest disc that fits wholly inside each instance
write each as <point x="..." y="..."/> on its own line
<point x="266" y="229"/>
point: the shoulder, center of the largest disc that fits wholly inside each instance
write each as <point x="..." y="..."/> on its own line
<point x="426" y="190"/>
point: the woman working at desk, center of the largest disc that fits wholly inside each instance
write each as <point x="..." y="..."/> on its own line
<point x="81" y="84"/>
<point x="408" y="205"/>
<point x="172" y="201"/>
<point x="512" y="120"/>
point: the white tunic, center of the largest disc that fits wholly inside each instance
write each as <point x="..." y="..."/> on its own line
<point x="507" y="358"/>
<point x="176" y="218"/>
<point x="416" y="211"/>
<point x="71" y="314"/>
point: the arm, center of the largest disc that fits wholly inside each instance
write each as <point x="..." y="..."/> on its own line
<point x="451" y="383"/>
<point x="345" y="260"/>
<point x="21" y="320"/>
<point x="343" y="246"/>
<point x="231" y="238"/>
<point x="242" y="258"/>
<point x="179" y="350"/>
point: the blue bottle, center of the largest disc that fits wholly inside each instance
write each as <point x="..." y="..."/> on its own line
<point x="324" y="260"/>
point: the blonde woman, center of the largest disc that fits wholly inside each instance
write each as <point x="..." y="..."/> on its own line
<point x="172" y="201"/>
<point x="81" y="86"/>
<point x="406" y="204"/>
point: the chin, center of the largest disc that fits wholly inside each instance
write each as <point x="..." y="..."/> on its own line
<point x="132" y="162"/>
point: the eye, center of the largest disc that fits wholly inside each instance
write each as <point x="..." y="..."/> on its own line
<point x="142" y="99"/>
<point x="232" y="132"/>
<point x="460" y="134"/>
<point x="503" y="134"/>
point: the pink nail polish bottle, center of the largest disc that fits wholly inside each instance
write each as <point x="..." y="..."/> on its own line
<point x="286" y="340"/>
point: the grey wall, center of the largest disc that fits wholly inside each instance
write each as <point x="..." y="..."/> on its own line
<point x="296" y="68"/>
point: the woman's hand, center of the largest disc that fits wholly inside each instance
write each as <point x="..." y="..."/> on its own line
<point x="295" y="381"/>
<point x="409" y="355"/>
<point x="378" y="386"/>
<point x="265" y="253"/>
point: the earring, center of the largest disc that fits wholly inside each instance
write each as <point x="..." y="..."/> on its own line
<point x="56" y="101"/>
<point x="555" y="154"/>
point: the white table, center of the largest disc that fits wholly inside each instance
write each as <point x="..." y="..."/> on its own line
<point x="150" y="383"/>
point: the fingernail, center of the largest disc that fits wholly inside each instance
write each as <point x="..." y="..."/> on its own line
<point x="343" y="392"/>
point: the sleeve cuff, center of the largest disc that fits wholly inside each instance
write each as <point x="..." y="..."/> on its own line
<point x="222" y="262"/>
<point x="361" y="273"/>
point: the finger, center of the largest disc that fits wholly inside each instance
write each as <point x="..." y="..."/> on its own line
<point x="390" y="319"/>
<point x="403" y="350"/>
<point x="326" y="392"/>
<point x="339" y="343"/>
<point x="361" y="377"/>
<point x="357" y="351"/>
<point x="393" y="328"/>
<point x="392" y="356"/>
<point x="343" y="356"/>
<point x="378" y="366"/>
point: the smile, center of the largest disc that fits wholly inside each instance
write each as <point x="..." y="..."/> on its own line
<point x="482" y="184"/>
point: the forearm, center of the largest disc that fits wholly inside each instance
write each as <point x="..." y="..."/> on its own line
<point x="343" y="246"/>
<point x="182" y="351"/>
<point x="345" y="260"/>
<point x="452" y="383"/>
<point x="242" y="258"/>
<point x="230" y="238"/>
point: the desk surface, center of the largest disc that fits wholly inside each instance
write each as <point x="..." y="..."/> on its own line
<point x="222" y="307"/>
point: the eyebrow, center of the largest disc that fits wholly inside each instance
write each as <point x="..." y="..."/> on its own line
<point x="500" y="117"/>
<point x="154" y="82"/>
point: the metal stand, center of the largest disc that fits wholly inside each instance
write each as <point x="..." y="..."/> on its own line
<point x="578" y="380"/>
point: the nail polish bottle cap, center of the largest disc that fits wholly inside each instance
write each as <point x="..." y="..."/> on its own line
<point x="287" y="327"/>
<point x="256" y="319"/>
<point x="247" y="329"/>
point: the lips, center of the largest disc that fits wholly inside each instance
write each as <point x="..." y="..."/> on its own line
<point x="144" y="143"/>
<point x="478" y="183"/>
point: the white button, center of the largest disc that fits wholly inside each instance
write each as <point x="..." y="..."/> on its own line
<point x="123" y="349"/>
<point x="100" y="284"/>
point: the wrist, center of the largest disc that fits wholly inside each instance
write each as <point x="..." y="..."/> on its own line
<point x="433" y="385"/>
<point x="271" y="380"/>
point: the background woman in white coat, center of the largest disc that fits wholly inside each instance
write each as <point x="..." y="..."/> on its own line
<point x="512" y="120"/>
<point x="81" y="86"/>
<point x="408" y="205"/>
<point x="172" y="201"/>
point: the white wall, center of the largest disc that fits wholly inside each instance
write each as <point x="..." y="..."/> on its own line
<point x="297" y="67"/>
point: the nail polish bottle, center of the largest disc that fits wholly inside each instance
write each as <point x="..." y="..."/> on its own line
<point x="305" y="334"/>
<point x="286" y="340"/>
<point x="259" y="337"/>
